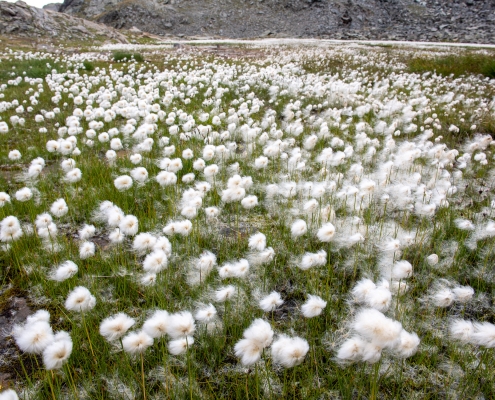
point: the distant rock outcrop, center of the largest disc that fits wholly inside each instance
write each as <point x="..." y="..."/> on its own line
<point x="22" y="20"/>
<point x="425" y="20"/>
<point x="52" y="6"/>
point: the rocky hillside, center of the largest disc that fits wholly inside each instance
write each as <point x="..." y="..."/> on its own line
<point x="426" y="20"/>
<point x="19" y="19"/>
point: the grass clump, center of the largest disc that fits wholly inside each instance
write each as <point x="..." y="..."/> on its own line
<point x="38" y="68"/>
<point x="124" y="56"/>
<point x="88" y="65"/>
<point x="455" y="64"/>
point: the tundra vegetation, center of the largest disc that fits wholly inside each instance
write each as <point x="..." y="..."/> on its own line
<point x="307" y="222"/>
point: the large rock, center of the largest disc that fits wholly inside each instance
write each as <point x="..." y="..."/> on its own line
<point x="22" y="20"/>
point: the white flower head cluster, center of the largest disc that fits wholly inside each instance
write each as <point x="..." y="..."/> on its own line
<point x="36" y="336"/>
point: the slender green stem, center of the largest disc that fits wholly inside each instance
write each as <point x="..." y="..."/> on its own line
<point x="142" y="376"/>
<point x="374" y="381"/>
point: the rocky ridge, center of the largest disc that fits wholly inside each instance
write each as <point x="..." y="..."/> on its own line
<point x="418" y="20"/>
<point x="19" y="19"/>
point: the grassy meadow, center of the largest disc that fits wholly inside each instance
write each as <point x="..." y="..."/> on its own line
<point x="293" y="222"/>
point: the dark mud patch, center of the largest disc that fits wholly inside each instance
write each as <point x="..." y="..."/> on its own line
<point x="240" y="232"/>
<point x="14" y="309"/>
<point x="293" y="298"/>
<point x="72" y="233"/>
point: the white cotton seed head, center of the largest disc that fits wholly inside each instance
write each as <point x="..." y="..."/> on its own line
<point x="143" y="242"/>
<point x="155" y="262"/>
<point x="444" y="297"/>
<point x="73" y="176"/>
<point x="225" y="293"/>
<point x="58" y="352"/>
<point x="402" y="270"/>
<point x="86" y="250"/>
<point x="43" y="220"/>
<point x="162" y="243"/>
<point x="379" y="299"/>
<point x="271" y="302"/>
<point x="114" y="217"/>
<point x="237" y="269"/>
<point x="116" y="236"/>
<point x="462" y="330"/>
<point x="59" y="208"/>
<point x="129" y="225"/>
<point x="408" y="344"/>
<point x="137" y="342"/>
<point x="49" y="232"/>
<point x="40" y="315"/>
<point x="298" y="228"/>
<point x="463" y="294"/>
<point x="24" y="194"/>
<point x="189" y="212"/>
<point x="362" y="290"/>
<point x="10" y="229"/>
<point x="248" y="350"/>
<point x="352" y="349"/>
<point x="64" y="271"/>
<point x="464" y="224"/>
<point x="116" y="326"/>
<point x="148" y="279"/>
<point x="390" y="245"/>
<point x="372" y="325"/>
<point x="87" y="232"/>
<point x="80" y="299"/>
<point x="326" y="233"/>
<point x="399" y="287"/>
<point x="313" y="306"/>
<point x="310" y="206"/>
<point x="206" y="314"/>
<point x="432" y="259"/>
<point x="259" y="331"/>
<point x="310" y="260"/>
<point x="123" y="182"/>
<point x="156" y="325"/>
<point x="33" y="337"/>
<point x="257" y="242"/>
<point x="249" y="202"/>
<point x="181" y="324"/>
<point x="188" y="178"/>
<point x="484" y="334"/>
<point x="139" y="174"/>
<point x="184" y="227"/>
<point x="206" y="262"/>
<point x="4" y="198"/>
<point x="289" y="352"/>
<point x="181" y="345"/>
<point x="9" y="394"/>
<point x="372" y="352"/>
<point x="171" y="228"/>
<point x="166" y="178"/>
